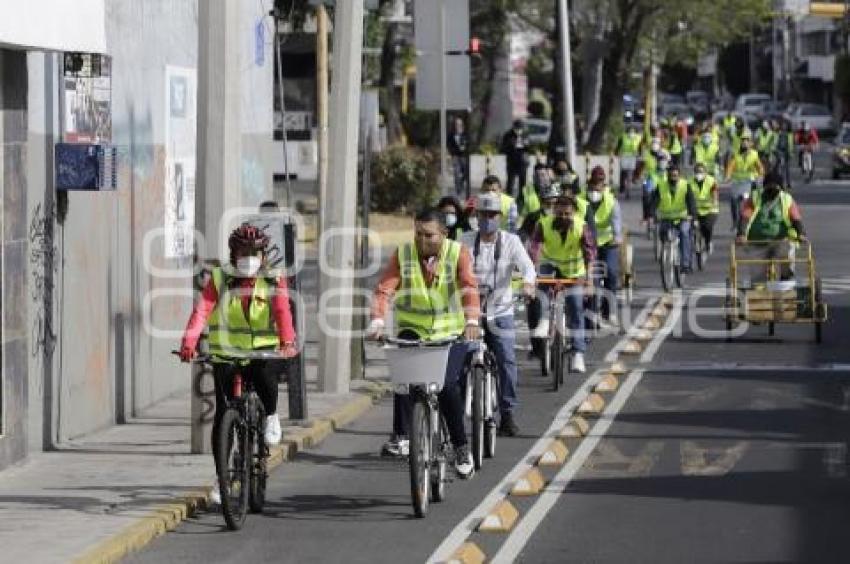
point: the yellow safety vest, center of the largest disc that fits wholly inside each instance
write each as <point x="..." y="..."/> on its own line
<point x="530" y="200"/>
<point x="581" y="206"/>
<point x="673" y="206"/>
<point x="706" y="203"/>
<point x="507" y="202"/>
<point x="564" y="253"/>
<point x="603" y="219"/>
<point x="230" y="333"/>
<point x="435" y="312"/>
<point x="706" y="155"/>
<point x="746" y="166"/>
<point x="650" y="163"/>
<point x="785" y="200"/>
<point x="674" y="144"/>
<point x="629" y="144"/>
<point x="766" y="140"/>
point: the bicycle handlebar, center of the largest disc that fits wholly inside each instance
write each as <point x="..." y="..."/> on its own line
<point x="253" y="355"/>
<point x="546" y="281"/>
<point x="384" y="340"/>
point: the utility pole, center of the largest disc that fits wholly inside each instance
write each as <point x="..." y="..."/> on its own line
<point x="337" y="243"/>
<point x="567" y="77"/>
<point x="322" y="103"/>
<point x="444" y="177"/>
<point x="219" y="158"/>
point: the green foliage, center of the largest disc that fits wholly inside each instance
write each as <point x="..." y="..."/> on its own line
<point x="422" y="127"/>
<point x="405" y="178"/>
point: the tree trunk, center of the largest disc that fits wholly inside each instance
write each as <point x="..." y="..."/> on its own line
<point x="593" y="58"/>
<point x="624" y="40"/>
<point x="388" y="98"/>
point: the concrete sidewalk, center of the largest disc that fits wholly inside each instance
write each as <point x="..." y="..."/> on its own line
<point x="107" y="494"/>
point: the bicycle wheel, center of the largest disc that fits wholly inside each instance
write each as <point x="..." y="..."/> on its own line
<point x="701" y="251"/>
<point x="439" y="444"/>
<point x="557" y="361"/>
<point x="667" y="268"/>
<point x="490" y="430"/>
<point x="546" y="357"/>
<point x="478" y="376"/>
<point x="657" y="247"/>
<point x="420" y="456"/>
<point x="259" y="473"/>
<point x="234" y="461"/>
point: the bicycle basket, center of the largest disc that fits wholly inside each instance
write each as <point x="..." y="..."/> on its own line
<point x="420" y="366"/>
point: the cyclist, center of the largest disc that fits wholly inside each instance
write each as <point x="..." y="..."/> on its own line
<point x="609" y="236"/>
<point x="627" y="148"/>
<point x="673" y="143"/>
<point x="566" y="176"/>
<point x="563" y="246"/>
<point x="247" y="312"/>
<point x="807" y="141"/>
<point x="597" y="176"/>
<point x="654" y="176"/>
<point x="509" y="208"/>
<point x="435" y="296"/>
<point x="541" y="179"/>
<point x="743" y="169"/>
<point x="771" y="216"/>
<point x="674" y="205"/>
<point x="707" y="151"/>
<point x="766" y="139"/>
<point x="785" y="151"/>
<point x="496" y="253"/>
<point x="456" y="220"/>
<point x="707" y="195"/>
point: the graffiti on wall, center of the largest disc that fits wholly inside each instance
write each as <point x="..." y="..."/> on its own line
<point x="180" y="143"/>
<point x="44" y="267"/>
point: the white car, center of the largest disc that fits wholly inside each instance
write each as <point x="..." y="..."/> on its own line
<point x="819" y="117"/>
<point x="750" y="105"/>
<point x="538" y="130"/>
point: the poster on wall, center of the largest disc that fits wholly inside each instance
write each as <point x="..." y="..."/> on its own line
<point x="87" y="92"/>
<point x="180" y="144"/>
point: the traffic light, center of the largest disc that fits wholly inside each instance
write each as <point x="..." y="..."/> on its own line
<point x="474" y="46"/>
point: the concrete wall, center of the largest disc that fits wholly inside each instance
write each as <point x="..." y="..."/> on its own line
<point x="13" y="159"/>
<point x="103" y="365"/>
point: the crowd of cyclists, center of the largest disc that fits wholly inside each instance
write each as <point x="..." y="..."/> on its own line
<point x="557" y="228"/>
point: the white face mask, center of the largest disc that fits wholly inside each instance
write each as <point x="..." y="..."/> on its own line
<point x="700" y="176"/>
<point x="655" y="147"/>
<point x="594" y="196"/>
<point x="248" y="266"/>
<point x="451" y="219"/>
<point x="706" y="139"/>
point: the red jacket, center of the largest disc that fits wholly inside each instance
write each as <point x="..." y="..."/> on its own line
<point x="209" y="299"/>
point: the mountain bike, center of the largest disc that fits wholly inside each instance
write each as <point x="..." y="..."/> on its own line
<point x="241" y="451"/>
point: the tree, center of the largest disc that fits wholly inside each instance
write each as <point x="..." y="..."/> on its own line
<point x="687" y="27"/>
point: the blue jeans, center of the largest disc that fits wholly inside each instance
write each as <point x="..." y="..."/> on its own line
<point x="501" y="338"/>
<point x="684" y="229"/>
<point x="610" y="255"/>
<point x="574" y="304"/>
<point x="450" y="398"/>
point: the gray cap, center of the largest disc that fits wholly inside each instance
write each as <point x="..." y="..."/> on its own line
<point x="489" y="202"/>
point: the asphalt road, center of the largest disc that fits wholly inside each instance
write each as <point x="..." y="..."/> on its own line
<point x="714" y="451"/>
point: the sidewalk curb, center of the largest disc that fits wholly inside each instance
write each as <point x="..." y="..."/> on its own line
<point x="168" y="516"/>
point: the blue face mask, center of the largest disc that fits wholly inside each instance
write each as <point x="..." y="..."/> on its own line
<point x="488" y="225"/>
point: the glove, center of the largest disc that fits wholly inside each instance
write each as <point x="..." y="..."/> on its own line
<point x="187" y="353"/>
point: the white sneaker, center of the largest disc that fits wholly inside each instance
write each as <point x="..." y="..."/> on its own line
<point x="464" y="466"/>
<point x="578" y="363"/>
<point x="542" y="329"/>
<point x="272" y="432"/>
<point x="215" y="495"/>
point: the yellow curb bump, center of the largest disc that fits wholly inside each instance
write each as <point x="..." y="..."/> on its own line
<point x="467" y="553"/>
<point x="643" y="335"/>
<point x="618" y="368"/>
<point x="652" y="323"/>
<point x="592" y="405"/>
<point x="667" y="301"/>
<point x="501" y="518"/>
<point x="608" y="384"/>
<point x="632" y="347"/>
<point x="577" y="427"/>
<point x="555" y="455"/>
<point x="531" y="483"/>
<point x="659" y="311"/>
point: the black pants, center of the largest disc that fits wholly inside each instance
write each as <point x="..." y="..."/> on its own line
<point x="264" y="374"/>
<point x="706" y="226"/>
<point x="516" y="174"/>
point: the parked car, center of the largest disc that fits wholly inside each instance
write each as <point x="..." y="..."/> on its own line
<point x="819" y="117"/>
<point x="698" y="101"/>
<point x="773" y="111"/>
<point x="750" y="105"/>
<point x="538" y="130"/>
<point x="841" y="153"/>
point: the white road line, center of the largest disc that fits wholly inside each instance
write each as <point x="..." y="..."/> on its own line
<point x="742" y="367"/>
<point x="636" y="326"/>
<point x="518" y="538"/>
<point x="672" y="322"/>
<point x="468" y="524"/>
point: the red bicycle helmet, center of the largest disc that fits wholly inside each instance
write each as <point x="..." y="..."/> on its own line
<point x="249" y="237"/>
<point x="597" y="173"/>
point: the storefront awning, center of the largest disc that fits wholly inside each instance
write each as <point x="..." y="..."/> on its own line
<point x="53" y="25"/>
